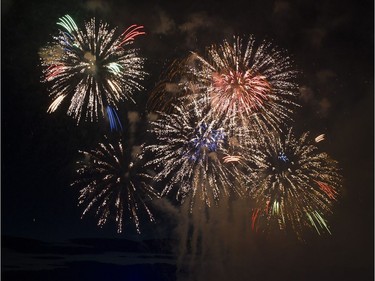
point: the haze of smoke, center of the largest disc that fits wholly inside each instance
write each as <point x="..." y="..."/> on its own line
<point x="215" y="243"/>
<point x="166" y="25"/>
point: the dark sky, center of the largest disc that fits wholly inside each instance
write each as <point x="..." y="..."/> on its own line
<point x="331" y="43"/>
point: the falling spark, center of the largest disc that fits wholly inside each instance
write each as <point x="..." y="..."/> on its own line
<point x="320" y="138"/>
<point x="231" y="158"/>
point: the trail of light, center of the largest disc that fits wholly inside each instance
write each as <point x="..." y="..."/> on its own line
<point x="131" y="32"/>
<point x="327" y="189"/>
<point x="114" y="67"/>
<point x="68" y="23"/>
<point x="53" y="71"/>
<point x="320" y="138"/>
<point x="231" y="158"/>
<point x="312" y="222"/>
<point x="55" y="104"/>
<point x="254" y="218"/>
<point x="114" y="120"/>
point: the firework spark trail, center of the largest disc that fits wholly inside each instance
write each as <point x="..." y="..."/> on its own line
<point x="92" y="67"/>
<point x="114" y="120"/>
<point x="188" y="157"/>
<point x="110" y="184"/>
<point x="293" y="185"/>
<point x="172" y="87"/>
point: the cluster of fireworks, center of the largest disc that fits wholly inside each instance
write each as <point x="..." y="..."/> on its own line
<point x="220" y="131"/>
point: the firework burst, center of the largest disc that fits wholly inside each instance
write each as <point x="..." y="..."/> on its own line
<point x="248" y="86"/>
<point x="293" y="184"/>
<point x="110" y="184"/>
<point x="91" y="67"/>
<point x="189" y="155"/>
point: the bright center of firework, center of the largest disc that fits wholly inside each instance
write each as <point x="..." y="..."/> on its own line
<point x="204" y="140"/>
<point x="236" y="90"/>
<point x="91" y="63"/>
<point x="236" y="79"/>
<point x="283" y="157"/>
<point x="281" y="164"/>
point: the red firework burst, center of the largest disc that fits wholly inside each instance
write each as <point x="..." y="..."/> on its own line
<point x="234" y="91"/>
<point x="249" y="86"/>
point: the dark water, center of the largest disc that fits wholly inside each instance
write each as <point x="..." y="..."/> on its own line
<point x="96" y="271"/>
<point x="121" y="259"/>
<point x="86" y="259"/>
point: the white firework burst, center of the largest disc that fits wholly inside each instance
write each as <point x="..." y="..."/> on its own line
<point x="92" y="67"/>
<point x="110" y="183"/>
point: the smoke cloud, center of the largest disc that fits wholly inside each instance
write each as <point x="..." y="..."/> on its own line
<point x="165" y="25"/>
<point x="215" y="243"/>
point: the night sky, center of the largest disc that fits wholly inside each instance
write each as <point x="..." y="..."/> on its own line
<point x="43" y="235"/>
